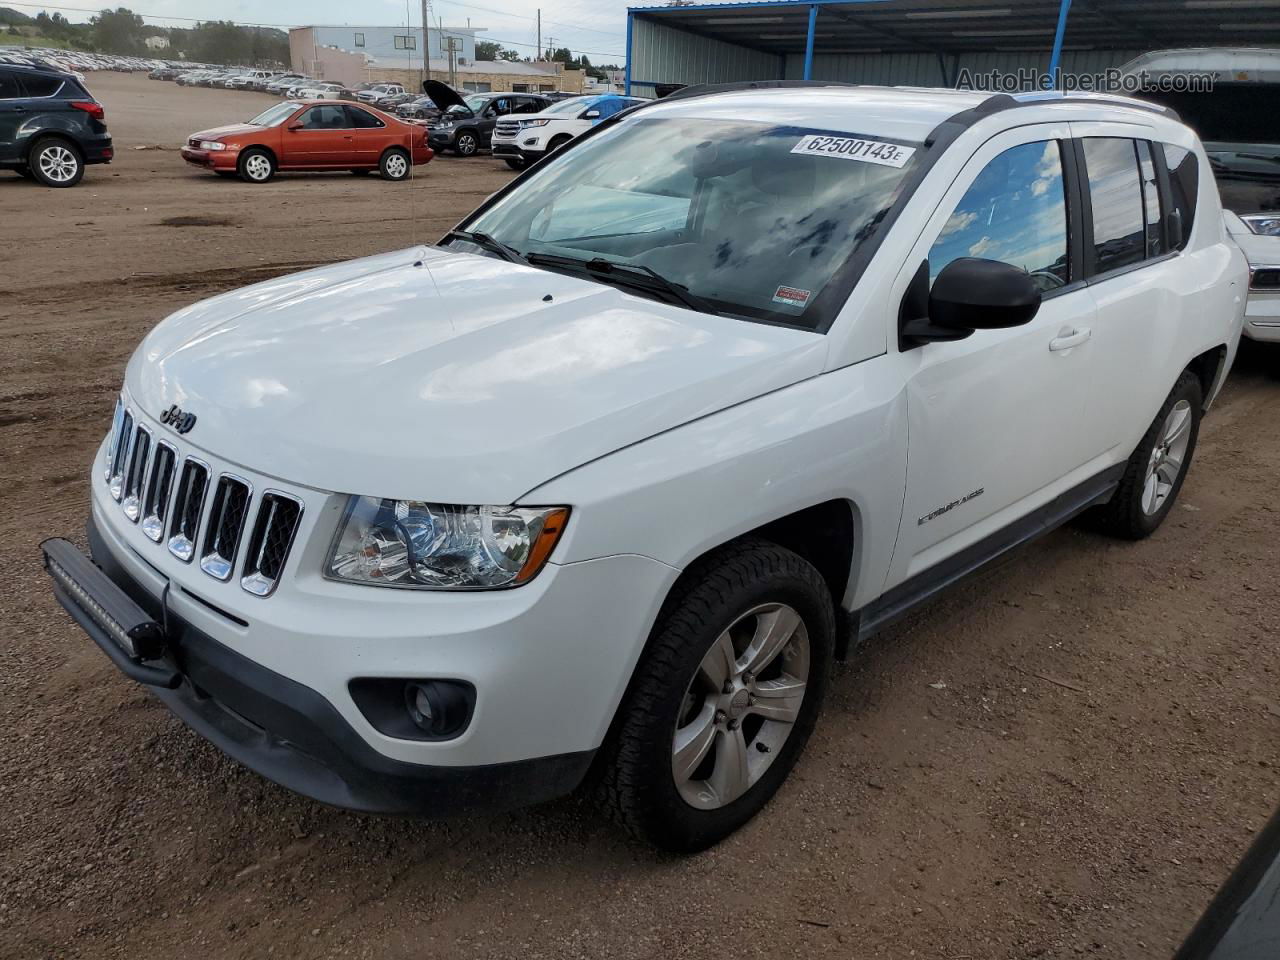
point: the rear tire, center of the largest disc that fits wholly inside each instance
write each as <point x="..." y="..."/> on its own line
<point x="1154" y="475"/>
<point x="55" y="162"/>
<point x="256" y="166"/>
<point x="707" y="732"/>
<point x="395" y="164"/>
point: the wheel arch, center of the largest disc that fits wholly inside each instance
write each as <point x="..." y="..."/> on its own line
<point x="275" y="157"/>
<point x="53" y="133"/>
<point x="1210" y="369"/>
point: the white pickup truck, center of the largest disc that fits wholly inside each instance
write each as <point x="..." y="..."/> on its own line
<point x="756" y="370"/>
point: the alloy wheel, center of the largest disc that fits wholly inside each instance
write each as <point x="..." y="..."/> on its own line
<point x="466" y="144"/>
<point x="258" y="167"/>
<point x="741" y="706"/>
<point x="58" y="163"/>
<point x="1168" y="458"/>
<point x="396" y="166"/>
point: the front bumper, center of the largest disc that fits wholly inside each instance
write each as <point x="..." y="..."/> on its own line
<point x="441" y="139"/>
<point x="1262" y="316"/>
<point x="279" y="728"/>
<point x="210" y="159"/>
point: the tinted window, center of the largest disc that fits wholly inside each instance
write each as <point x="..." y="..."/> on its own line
<point x="326" y="117"/>
<point x="607" y="107"/>
<point x="41" y="85"/>
<point x="9" y="86"/>
<point x="1150" y="201"/>
<point x="1184" y="176"/>
<point x="363" y="119"/>
<point x="1014" y="212"/>
<point x="1119" y="233"/>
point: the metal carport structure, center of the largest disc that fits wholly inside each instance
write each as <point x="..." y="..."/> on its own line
<point x="921" y="42"/>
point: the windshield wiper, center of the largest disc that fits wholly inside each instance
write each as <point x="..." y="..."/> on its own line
<point x="635" y="275"/>
<point x="488" y="243"/>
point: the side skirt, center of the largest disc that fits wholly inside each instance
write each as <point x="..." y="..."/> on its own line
<point x="897" y="602"/>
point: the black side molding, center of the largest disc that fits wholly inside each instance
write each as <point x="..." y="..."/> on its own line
<point x="897" y="602"/>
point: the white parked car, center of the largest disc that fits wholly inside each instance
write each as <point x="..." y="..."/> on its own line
<point x="725" y="408"/>
<point x="521" y="140"/>
<point x="1259" y="237"/>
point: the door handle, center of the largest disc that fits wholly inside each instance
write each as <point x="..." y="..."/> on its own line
<point x="1066" y="341"/>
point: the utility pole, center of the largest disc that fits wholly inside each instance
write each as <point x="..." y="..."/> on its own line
<point x="426" y="40"/>
<point x="539" y="56"/>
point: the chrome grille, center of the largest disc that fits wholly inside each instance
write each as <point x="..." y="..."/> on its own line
<point x="159" y="486"/>
<point x="1266" y="278"/>
<point x="119" y="453"/>
<point x="168" y="494"/>
<point x="187" y="508"/>
<point x="507" y="128"/>
<point x="269" y="542"/>
<point x="135" y="474"/>
<point x="226" y="523"/>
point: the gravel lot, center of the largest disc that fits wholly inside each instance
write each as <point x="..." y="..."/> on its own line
<point x="1062" y="757"/>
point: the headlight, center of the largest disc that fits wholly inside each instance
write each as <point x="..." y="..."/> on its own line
<point x="534" y="123"/>
<point x="407" y="543"/>
<point x="1263" y="224"/>
<point x="212" y="145"/>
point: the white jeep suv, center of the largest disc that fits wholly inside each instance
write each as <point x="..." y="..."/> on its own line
<point x="757" y="370"/>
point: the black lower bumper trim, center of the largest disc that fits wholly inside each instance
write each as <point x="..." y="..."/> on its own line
<point x="292" y="735"/>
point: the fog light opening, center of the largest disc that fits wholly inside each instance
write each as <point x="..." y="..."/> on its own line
<point x="436" y="707"/>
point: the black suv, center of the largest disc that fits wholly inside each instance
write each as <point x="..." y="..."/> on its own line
<point x="466" y="121"/>
<point x="50" y="126"/>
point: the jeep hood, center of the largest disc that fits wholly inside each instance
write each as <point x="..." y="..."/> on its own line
<point x="454" y="377"/>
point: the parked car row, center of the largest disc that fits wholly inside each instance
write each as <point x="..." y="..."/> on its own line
<point x="73" y="61"/>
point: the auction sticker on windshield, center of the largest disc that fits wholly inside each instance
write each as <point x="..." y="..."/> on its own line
<point x="853" y="148"/>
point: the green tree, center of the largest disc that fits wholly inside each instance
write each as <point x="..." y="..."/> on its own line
<point x="119" y="31"/>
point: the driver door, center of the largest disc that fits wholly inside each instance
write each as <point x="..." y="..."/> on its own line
<point x="324" y="138"/>
<point x="998" y="422"/>
<point x="498" y="107"/>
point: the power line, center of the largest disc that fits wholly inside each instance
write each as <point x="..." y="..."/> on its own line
<point x="279" y="26"/>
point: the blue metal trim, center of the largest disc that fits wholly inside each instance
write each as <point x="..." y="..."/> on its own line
<point x="808" y="42"/>
<point x="626" y="86"/>
<point x="1056" y="56"/>
<point x="699" y="7"/>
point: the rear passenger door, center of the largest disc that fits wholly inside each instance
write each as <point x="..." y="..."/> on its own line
<point x="13" y="110"/>
<point x="1134" y="277"/>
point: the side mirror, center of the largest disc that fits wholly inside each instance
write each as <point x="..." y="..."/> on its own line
<point x="969" y="294"/>
<point x="591" y="115"/>
<point x="294" y="126"/>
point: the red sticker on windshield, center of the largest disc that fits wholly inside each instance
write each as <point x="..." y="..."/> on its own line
<point x="791" y="296"/>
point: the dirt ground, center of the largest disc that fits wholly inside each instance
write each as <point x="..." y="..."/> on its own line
<point x="1063" y="757"/>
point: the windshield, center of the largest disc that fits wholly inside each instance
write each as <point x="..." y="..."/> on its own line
<point x="754" y="219"/>
<point x="274" y="116"/>
<point x="572" y="105"/>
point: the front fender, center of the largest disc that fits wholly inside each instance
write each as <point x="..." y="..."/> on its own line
<point x="675" y="496"/>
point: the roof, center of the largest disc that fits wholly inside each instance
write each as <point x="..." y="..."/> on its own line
<point x="496" y="67"/>
<point x="898" y="26"/>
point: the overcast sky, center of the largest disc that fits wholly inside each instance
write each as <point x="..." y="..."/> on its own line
<point x="595" y="27"/>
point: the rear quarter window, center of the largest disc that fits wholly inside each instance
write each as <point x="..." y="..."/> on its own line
<point x="1184" y="179"/>
<point x="9" y="85"/>
<point x="42" y="85"/>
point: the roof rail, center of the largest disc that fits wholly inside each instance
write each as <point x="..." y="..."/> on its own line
<point x="711" y="89"/>
<point x="1005" y="101"/>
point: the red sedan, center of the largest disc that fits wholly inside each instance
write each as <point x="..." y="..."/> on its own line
<point x="314" y="135"/>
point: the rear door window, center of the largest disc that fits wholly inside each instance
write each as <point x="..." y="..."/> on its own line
<point x="9" y="89"/>
<point x="1151" y="201"/>
<point x="1115" y="192"/>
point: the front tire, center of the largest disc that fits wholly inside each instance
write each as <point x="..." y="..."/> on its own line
<point x="395" y="164"/>
<point x="256" y="166"/>
<point x="55" y="163"/>
<point x="467" y="144"/>
<point x="723" y="699"/>
<point x="515" y="163"/>
<point x="1155" y="472"/>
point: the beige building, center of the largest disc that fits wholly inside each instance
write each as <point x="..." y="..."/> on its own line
<point x="354" y="55"/>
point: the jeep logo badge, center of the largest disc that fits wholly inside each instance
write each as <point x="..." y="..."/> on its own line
<point x="177" y="419"/>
